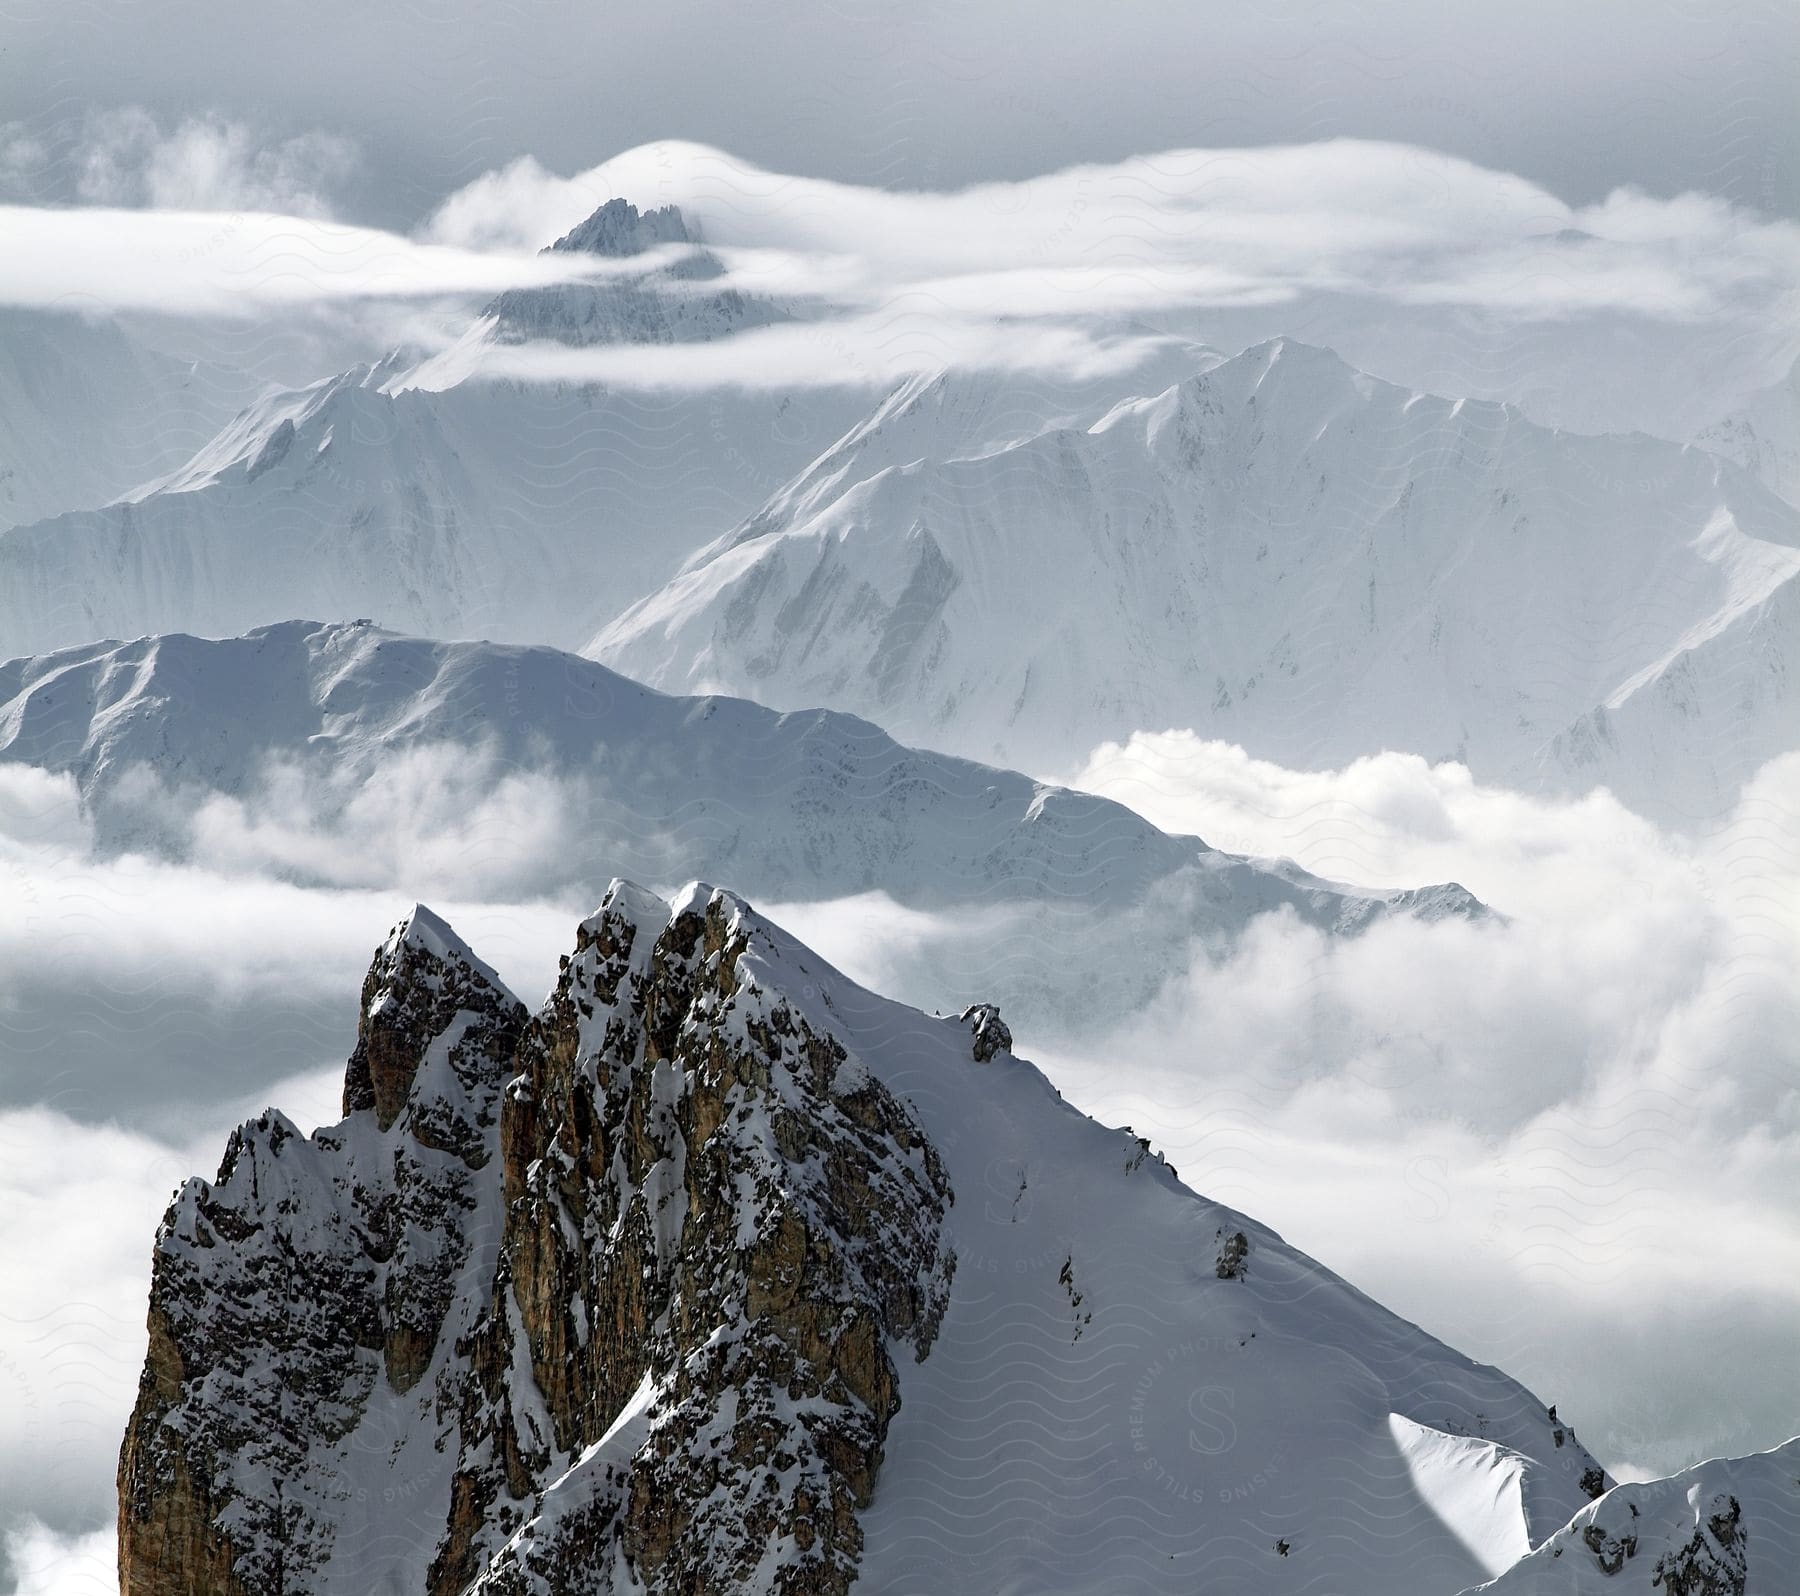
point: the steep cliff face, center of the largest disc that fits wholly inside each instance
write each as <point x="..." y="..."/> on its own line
<point x="704" y="1214"/>
<point x="719" y="1222"/>
<point x="285" y="1425"/>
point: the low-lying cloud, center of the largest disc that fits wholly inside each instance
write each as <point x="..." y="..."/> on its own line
<point x="1420" y="266"/>
<point x="238" y="265"/>
<point x="1564" y="1140"/>
<point x="1561" y="1138"/>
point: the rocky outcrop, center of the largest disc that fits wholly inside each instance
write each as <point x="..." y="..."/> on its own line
<point x="626" y="1296"/>
<point x="710" y="1202"/>
<point x="677" y="298"/>
<point x="1715" y="1561"/>
<point x="1727" y="1527"/>
<point x="989" y="1031"/>
<point x="311" y="1285"/>
<point x="631" y="1327"/>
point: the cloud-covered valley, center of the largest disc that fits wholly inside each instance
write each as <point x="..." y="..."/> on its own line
<point x="1560" y="1136"/>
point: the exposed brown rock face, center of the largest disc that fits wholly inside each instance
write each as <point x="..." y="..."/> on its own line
<point x="708" y="1231"/>
<point x="309" y="1274"/>
<point x="705" y="1193"/>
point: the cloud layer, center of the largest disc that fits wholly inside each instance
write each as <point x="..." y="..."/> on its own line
<point x="1563" y="1139"/>
<point x="1421" y="266"/>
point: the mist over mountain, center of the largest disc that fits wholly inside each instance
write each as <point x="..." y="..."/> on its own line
<point x="1293" y="631"/>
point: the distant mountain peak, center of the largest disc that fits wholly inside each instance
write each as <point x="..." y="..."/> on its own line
<point x="667" y="301"/>
<point x="619" y="229"/>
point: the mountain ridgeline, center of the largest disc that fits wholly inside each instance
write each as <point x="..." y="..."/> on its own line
<point x="720" y="1273"/>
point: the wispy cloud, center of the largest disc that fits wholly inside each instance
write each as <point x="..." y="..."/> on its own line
<point x="1177" y="229"/>
<point x="1492" y="280"/>
<point x="1419" y="265"/>
<point x="128" y="156"/>
<point x="239" y="265"/>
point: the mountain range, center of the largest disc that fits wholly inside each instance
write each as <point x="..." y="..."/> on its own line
<point x="807" y="806"/>
<point x="1272" y="548"/>
<point x="1281" y="552"/>
<point x="718" y="1271"/>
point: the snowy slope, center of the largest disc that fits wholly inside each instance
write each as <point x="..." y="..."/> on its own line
<point x="802" y="806"/>
<point x="429" y="497"/>
<point x="1279" y="551"/>
<point x="1090" y="1378"/>
<point x="1729" y="1527"/>
<point x="88" y="412"/>
<point x="1763" y="435"/>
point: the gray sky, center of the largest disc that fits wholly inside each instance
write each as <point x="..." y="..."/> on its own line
<point x="1578" y="97"/>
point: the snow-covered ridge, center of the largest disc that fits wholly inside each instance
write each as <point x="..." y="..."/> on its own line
<point x="420" y="492"/>
<point x="809" y="805"/>
<point x="1728" y="1527"/>
<point x="1763" y="435"/>
<point x="1280" y="551"/>
<point x="753" y="1249"/>
<point x="89" y="412"/>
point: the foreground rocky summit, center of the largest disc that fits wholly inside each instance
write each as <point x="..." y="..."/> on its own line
<point x="719" y="1273"/>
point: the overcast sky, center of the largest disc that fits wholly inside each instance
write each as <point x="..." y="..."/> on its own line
<point x="1665" y="94"/>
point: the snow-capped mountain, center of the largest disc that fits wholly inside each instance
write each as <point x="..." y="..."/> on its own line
<point x="722" y="1273"/>
<point x="1729" y="1527"/>
<point x="813" y="805"/>
<point x="677" y="300"/>
<point x="1279" y="551"/>
<point x="434" y="498"/>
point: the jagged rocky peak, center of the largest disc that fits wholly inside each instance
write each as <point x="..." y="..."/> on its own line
<point x="317" y="1288"/>
<point x="651" y="1345"/>
<point x="658" y="301"/>
<point x="620" y="229"/>
<point x="720" y="1273"/>
<point x="422" y="979"/>
<point x="717" y="1221"/>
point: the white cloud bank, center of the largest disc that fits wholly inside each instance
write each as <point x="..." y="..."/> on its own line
<point x="239" y="265"/>
<point x="1418" y="265"/>
<point x="1563" y="1140"/>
